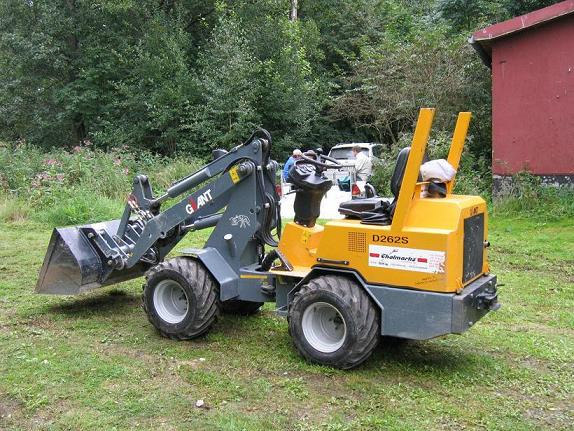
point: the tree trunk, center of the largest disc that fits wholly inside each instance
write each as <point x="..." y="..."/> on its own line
<point x="293" y="11"/>
<point x="79" y="129"/>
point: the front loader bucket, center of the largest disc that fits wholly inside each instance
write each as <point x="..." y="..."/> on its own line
<point x="72" y="265"/>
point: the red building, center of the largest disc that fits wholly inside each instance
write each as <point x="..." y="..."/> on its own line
<point x="532" y="62"/>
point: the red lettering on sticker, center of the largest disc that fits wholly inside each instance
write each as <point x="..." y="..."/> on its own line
<point x="374" y="254"/>
<point x="422" y="260"/>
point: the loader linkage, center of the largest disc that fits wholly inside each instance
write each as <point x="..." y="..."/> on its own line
<point x="105" y="252"/>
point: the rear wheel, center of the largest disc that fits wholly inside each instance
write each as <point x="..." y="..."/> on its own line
<point x="180" y="298"/>
<point x="243" y="308"/>
<point x="334" y="322"/>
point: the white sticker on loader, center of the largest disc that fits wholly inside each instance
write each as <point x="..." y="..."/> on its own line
<point x="409" y="259"/>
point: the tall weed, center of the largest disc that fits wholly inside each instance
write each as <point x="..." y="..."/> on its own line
<point x="73" y="206"/>
<point x="80" y="186"/>
<point x="86" y="185"/>
<point x="526" y="197"/>
<point x="12" y="209"/>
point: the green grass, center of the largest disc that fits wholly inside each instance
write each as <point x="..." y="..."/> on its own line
<point x="95" y="362"/>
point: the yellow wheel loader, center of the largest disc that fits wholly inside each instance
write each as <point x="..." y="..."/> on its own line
<point x="413" y="266"/>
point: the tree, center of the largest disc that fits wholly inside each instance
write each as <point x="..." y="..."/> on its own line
<point x="392" y="81"/>
<point x="468" y="15"/>
<point x="520" y="7"/>
<point x="38" y="59"/>
<point x="228" y="85"/>
<point x="113" y="72"/>
<point x="170" y="75"/>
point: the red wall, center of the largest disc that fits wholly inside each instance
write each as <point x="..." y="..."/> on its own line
<point x="533" y="100"/>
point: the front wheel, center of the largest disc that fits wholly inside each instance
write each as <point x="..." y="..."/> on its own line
<point x="334" y="322"/>
<point x="180" y="298"/>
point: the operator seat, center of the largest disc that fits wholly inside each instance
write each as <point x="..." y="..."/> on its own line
<point x="377" y="210"/>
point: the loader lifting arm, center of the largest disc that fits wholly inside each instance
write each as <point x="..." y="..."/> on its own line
<point x="87" y="257"/>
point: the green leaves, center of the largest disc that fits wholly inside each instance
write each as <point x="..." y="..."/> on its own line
<point x="228" y="85"/>
<point x="172" y="76"/>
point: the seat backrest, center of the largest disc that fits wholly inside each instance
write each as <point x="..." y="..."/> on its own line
<point x="399" y="171"/>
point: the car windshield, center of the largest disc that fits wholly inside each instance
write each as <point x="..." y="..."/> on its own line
<point x="345" y="153"/>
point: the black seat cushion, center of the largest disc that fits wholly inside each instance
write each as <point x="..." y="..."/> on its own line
<point x="369" y="210"/>
<point x="356" y="206"/>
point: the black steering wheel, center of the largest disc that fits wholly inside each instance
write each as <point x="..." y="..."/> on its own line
<point x="319" y="161"/>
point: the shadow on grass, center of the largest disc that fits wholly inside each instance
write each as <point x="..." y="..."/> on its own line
<point x="424" y="357"/>
<point x="392" y="355"/>
<point x="102" y="303"/>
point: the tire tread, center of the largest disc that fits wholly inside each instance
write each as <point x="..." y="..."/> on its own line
<point x="362" y="308"/>
<point x="206" y="291"/>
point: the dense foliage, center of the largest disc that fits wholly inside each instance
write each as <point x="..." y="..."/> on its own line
<point x="189" y="75"/>
<point x="82" y="185"/>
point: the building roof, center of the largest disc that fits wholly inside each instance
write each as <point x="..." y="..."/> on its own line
<point x="482" y="40"/>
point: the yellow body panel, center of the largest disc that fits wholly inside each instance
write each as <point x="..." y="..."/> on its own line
<point x="432" y="225"/>
<point x="422" y="249"/>
<point x="300" y="244"/>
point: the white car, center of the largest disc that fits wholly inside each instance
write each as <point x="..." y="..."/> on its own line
<point x="344" y="152"/>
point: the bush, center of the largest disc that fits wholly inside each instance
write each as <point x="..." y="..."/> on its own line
<point x="473" y="176"/>
<point x="80" y="186"/>
<point x="85" y="185"/>
<point x="73" y="206"/>
<point x="525" y="197"/>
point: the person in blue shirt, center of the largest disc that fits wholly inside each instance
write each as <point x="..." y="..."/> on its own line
<point x="289" y="163"/>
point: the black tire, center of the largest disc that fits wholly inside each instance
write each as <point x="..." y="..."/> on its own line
<point x="359" y="314"/>
<point x="243" y="308"/>
<point x="201" y="292"/>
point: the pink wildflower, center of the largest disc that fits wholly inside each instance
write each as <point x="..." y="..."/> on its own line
<point x="40" y="178"/>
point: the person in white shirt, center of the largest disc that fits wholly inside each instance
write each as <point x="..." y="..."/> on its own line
<point x="363" y="164"/>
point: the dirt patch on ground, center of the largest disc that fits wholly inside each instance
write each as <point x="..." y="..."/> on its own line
<point x="110" y="349"/>
<point x="40" y="323"/>
<point x="5" y="329"/>
<point x="547" y="413"/>
<point x="10" y="411"/>
<point x="553" y="416"/>
<point x="541" y="329"/>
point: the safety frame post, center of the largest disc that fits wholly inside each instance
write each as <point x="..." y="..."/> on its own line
<point x="457" y="144"/>
<point x="416" y="155"/>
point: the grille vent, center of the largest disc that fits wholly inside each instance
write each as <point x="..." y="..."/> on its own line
<point x="357" y="242"/>
<point x="473" y="247"/>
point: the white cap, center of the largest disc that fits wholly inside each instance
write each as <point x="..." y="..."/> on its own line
<point x="297" y="153"/>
